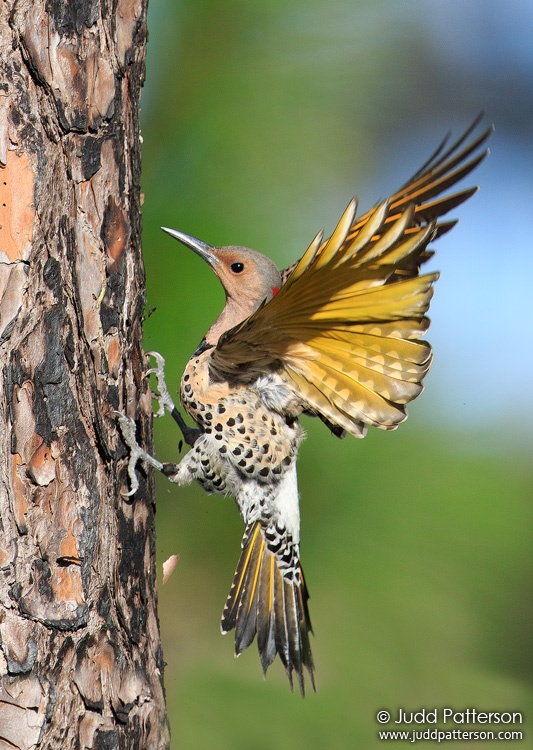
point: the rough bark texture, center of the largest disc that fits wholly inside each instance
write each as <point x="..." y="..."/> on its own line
<point x="80" y="658"/>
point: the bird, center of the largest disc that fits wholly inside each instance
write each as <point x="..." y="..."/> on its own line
<point x="338" y="335"/>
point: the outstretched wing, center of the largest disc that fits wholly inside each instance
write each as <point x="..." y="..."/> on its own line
<point x="444" y="168"/>
<point x="345" y="329"/>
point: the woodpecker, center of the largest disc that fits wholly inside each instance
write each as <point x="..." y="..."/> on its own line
<point x="338" y="335"/>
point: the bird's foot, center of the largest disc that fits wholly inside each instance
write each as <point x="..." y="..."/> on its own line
<point x="127" y="427"/>
<point x="162" y="396"/>
<point x="190" y="434"/>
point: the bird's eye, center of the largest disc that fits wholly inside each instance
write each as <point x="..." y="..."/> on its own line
<point x="237" y="267"/>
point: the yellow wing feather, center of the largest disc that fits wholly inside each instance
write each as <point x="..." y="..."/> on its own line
<point x="344" y="329"/>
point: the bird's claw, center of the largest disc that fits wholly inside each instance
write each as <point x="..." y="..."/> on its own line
<point x="128" y="429"/>
<point x="163" y="396"/>
<point x="165" y="401"/>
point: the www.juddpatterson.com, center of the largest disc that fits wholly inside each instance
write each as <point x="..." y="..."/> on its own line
<point x="449" y="716"/>
<point x="451" y="724"/>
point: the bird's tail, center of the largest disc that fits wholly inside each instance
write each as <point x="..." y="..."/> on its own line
<point x="264" y="602"/>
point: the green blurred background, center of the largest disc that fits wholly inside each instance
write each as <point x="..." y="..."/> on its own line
<point x="260" y="121"/>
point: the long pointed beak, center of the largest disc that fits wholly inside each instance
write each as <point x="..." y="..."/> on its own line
<point x="202" y="249"/>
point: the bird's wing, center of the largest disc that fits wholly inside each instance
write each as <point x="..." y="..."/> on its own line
<point x="345" y="328"/>
<point x="444" y="168"/>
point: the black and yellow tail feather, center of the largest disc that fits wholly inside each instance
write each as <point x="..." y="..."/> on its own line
<point x="263" y="602"/>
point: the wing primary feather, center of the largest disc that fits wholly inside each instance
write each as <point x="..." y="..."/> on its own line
<point x="434" y="209"/>
<point x="431" y="159"/>
<point x="307" y="257"/>
<point x="414" y="244"/>
<point x="332" y="246"/>
<point x="442" y="227"/>
<point x="390" y="236"/>
<point x="433" y="165"/>
<point x="375" y="221"/>
<point x="438" y="186"/>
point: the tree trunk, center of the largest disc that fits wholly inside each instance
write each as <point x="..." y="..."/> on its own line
<point x="80" y="656"/>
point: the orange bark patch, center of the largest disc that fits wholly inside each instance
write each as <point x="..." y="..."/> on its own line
<point x="5" y="557"/>
<point x="113" y="356"/>
<point x="105" y="657"/>
<point x="114" y="230"/>
<point x="42" y="466"/>
<point x="17" y="210"/>
<point x="68" y="549"/>
<point x="66" y="585"/>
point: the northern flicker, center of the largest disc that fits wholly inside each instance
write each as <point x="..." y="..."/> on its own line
<point x="338" y="335"/>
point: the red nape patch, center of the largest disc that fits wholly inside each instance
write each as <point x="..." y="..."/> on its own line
<point x="275" y="290"/>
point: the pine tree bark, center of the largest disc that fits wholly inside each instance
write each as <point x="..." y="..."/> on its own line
<point x="80" y="657"/>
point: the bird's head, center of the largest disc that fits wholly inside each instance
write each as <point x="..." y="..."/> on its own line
<point x="249" y="278"/>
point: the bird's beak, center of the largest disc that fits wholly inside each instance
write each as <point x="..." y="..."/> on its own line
<point x="202" y="249"/>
